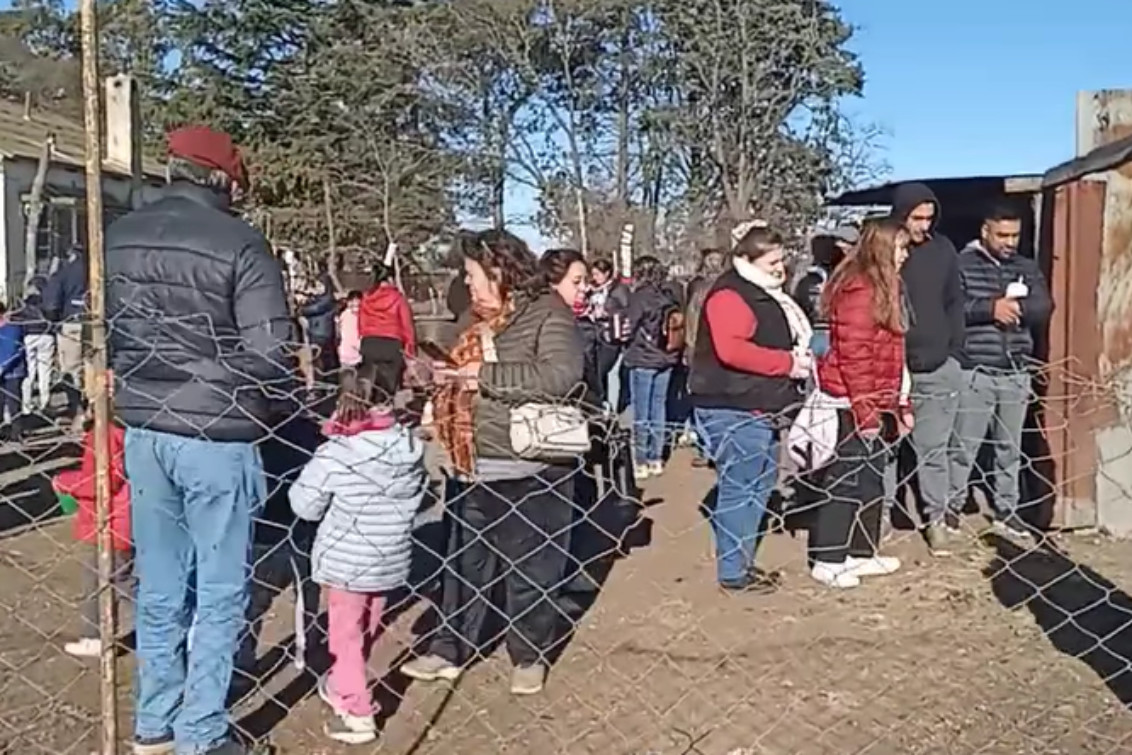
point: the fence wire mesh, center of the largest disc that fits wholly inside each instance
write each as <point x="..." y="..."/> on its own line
<point x="1016" y="642"/>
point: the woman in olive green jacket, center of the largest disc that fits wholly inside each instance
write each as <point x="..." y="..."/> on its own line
<point x="512" y="522"/>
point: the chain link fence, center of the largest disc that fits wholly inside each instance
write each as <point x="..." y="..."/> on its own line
<point x="1010" y="644"/>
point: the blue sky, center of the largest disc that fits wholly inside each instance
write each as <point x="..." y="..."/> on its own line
<point x="969" y="87"/>
<point x="979" y="87"/>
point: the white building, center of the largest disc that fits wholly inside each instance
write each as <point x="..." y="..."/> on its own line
<point x="24" y="131"/>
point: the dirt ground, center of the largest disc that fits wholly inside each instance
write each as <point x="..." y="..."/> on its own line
<point x="995" y="650"/>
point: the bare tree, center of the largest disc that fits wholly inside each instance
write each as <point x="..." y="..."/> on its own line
<point x="755" y="77"/>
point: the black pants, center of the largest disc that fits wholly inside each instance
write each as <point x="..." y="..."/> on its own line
<point x="605" y="356"/>
<point x="387" y="353"/>
<point x="512" y="535"/>
<point x="848" y="519"/>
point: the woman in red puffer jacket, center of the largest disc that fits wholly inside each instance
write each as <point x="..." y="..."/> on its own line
<point x="863" y="376"/>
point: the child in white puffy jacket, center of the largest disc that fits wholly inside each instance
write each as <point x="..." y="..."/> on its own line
<point x="365" y="486"/>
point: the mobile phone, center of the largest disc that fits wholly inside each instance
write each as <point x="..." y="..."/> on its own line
<point x="434" y="352"/>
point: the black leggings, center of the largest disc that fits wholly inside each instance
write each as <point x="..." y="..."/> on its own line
<point x="848" y="519"/>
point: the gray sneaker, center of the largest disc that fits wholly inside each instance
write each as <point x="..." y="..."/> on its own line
<point x="939" y="539"/>
<point x="528" y="680"/>
<point x="431" y="668"/>
<point x="154" y="746"/>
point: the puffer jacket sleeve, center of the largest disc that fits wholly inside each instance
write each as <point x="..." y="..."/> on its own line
<point x="262" y="316"/>
<point x="978" y="298"/>
<point x="853" y="336"/>
<point x="406" y="326"/>
<point x="556" y="372"/>
<point x="1038" y="306"/>
<point x="310" y="494"/>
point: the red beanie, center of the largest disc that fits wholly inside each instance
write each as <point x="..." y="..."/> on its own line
<point x="202" y="146"/>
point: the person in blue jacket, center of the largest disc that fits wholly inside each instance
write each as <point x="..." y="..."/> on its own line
<point x="13" y="370"/>
<point x="64" y="302"/>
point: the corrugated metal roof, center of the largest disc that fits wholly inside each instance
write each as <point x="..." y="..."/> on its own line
<point x="23" y="138"/>
<point x="1100" y="159"/>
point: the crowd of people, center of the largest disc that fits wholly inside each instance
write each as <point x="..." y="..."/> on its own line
<point x="891" y="337"/>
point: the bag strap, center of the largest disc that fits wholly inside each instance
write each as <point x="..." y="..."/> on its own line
<point x="487" y="343"/>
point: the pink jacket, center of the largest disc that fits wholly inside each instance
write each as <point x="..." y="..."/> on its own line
<point x="349" y="339"/>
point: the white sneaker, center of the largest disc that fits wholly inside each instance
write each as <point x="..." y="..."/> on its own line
<point x="877" y="566"/>
<point x="840" y="576"/>
<point x="528" y="680"/>
<point x="1010" y="530"/>
<point x="642" y="472"/>
<point x="656" y="468"/>
<point x="87" y="647"/>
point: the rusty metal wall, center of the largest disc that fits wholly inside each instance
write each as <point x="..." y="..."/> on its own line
<point x="1104" y="117"/>
<point x="1071" y="256"/>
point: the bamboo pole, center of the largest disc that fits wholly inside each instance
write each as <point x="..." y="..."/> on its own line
<point x="96" y="383"/>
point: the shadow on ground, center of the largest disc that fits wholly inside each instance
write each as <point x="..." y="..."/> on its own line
<point x="27" y="499"/>
<point x="1084" y="615"/>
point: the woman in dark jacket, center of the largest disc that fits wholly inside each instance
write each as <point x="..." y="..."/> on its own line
<point x="607" y="303"/>
<point x="320" y="313"/>
<point x="863" y="376"/>
<point x="750" y="357"/>
<point x="650" y="363"/>
<point x="565" y="271"/>
<point x="519" y="346"/>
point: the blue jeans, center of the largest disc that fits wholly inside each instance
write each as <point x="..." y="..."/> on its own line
<point x="648" y="390"/>
<point x="192" y="503"/>
<point x="744" y="448"/>
<point x="819" y="343"/>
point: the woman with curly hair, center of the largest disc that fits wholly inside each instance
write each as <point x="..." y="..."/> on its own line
<point x="511" y="526"/>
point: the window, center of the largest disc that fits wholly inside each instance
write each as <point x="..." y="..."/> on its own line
<point x="63" y="224"/>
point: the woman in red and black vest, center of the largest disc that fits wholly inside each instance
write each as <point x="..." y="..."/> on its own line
<point x="862" y="375"/>
<point x="750" y="356"/>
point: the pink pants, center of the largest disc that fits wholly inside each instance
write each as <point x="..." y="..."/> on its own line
<point x="355" y="623"/>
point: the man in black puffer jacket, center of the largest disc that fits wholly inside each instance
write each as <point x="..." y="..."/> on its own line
<point x="1005" y="300"/>
<point x="200" y="336"/>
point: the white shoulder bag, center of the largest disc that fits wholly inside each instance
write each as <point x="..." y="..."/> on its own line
<point x="543" y="431"/>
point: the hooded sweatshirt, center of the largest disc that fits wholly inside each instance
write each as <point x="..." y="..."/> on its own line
<point x="385" y="313"/>
<point x="933" y="288"/>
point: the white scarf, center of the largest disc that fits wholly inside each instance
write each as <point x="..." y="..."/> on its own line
<point x="800" y="329"/>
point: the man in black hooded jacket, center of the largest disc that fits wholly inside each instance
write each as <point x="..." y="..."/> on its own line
<point x="936" y="332"/>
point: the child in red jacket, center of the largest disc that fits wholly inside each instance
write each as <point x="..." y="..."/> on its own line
<point x="80" y="485"/>
<point x="385" y="322"/>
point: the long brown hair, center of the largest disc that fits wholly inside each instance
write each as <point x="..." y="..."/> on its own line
<point x="875" y="261"/>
